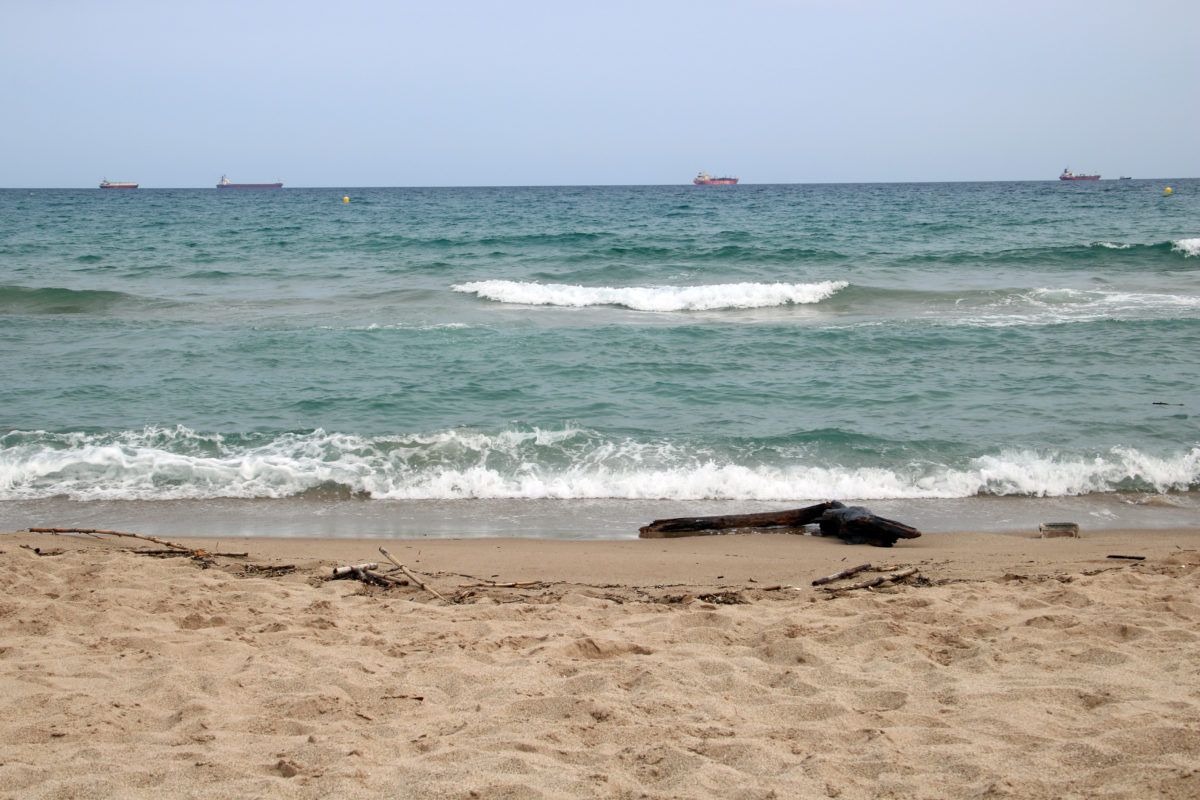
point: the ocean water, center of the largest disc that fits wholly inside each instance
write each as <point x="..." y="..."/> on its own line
<point x="575" y="361"/>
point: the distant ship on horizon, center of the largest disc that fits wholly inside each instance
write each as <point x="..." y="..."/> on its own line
<point x="225" y="183"/>
<point x="107" y="184"/>
<point x="704" y="179"/>
<point x="1067" y="175"/>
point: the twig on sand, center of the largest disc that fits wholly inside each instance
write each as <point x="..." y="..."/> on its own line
<point x="846" y="573"/>
<point x="412" y="577"/>
<point x="867" y="584"/>
<point x="493" y="585"/>
<point x="367" y="573"/>
<point x="353" y="569"/>
<point x="98" y="532"/>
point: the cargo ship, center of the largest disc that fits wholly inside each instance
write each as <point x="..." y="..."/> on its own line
<point x="1067" y="175"/>
<point x="225" y="183"/>
<point x="704" y="179"/>
<point x="107" y="184"/>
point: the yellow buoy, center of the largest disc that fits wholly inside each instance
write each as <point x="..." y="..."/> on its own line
<point x="1168" y="191"/>
<point x="347" y="199"/>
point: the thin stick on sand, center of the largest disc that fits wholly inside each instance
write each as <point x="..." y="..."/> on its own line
<point x="412" y="577"/>
<point x="353" y="569"/>
<point x="867" y="584"/>
<point x="155" y="539"/>
<point x="846" y="573"/>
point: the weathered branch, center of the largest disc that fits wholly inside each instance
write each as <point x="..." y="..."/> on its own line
<point x="700" y="526"/>
<point x="867" y="584"/>
<point x="853" y="524"/>
<point x="341" y="572"/>
<point x="99" y="532"/>
<point x="846" y="573"/>
<point x="412" y="577"/>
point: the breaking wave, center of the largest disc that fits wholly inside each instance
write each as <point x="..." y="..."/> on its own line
<point x="532" y="463"/>
<point x="655" y="298"/>
<point x="1189" y="247"/>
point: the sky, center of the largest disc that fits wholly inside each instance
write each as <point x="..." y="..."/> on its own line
<point x="361" y="93"/>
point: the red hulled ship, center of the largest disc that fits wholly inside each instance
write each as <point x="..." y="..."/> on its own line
<point x="704" y="179"/>
<point x="225" y="183"/>
<point x="1067" y="175"/>
<point x="107" y="184"/>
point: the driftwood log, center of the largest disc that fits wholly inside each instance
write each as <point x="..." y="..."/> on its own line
<point x="853" y="524"/>
<point x="702" y="526"/>
<point x="856" y="525"/>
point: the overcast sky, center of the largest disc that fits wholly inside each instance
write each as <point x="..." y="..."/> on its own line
<point x="519" y="92"/>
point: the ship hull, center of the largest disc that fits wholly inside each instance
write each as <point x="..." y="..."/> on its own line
<point x="118" y="186"/>
<point x="715" y="182"/>
<point x="1079" y="177"/>
<point x="249" y="185"/>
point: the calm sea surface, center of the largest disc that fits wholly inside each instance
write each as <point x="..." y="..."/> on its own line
<point x="575" y="361"/>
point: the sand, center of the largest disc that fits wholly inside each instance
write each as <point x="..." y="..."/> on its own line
<point x="1011" y="667"/>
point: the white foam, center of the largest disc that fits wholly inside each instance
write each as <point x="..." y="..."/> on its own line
<point x="1189" y="247"/>
<point x="1049" y="306"/>
<point x="655" y="298"/>
<point x="565" y="463"/>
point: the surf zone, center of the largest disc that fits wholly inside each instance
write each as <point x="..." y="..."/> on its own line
<point x="655" y="298"/>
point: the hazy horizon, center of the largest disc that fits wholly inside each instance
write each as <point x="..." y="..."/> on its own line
<point x="535" y="93"/>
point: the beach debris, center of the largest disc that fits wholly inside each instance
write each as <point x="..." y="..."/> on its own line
<point x="852" y="524"/>
<point x="706" y="526"/>
<point x="39" y="551"/>
<point x="268" y="570"/>
<point x="1050" y="530"/>
<point x="846" y="573"/>
<point x="370" y="572"/>
<point x="354" y="569"/>
<point x="412" y="577"/>
<point x="726" y="598"/>
<point x="1130" y="558"/>
<point x="97" y="532"/>
<point x="894" y="577"/>
<point x="367" y="573"/>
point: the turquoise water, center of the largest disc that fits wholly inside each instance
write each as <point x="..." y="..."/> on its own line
<point x="751" y="344"/>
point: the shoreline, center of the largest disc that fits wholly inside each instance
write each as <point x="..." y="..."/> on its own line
<point x="722" y="561"/>
<point x="592" y="519"/>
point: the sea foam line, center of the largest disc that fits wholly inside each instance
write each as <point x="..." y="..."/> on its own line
<point x="655" y="298"/>
<point x="534" y="464"/>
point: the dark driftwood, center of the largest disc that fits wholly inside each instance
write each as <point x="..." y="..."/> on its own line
<point x="700" y="526"/>
<point x="853" y="524"/>
<point x="856" y="525"/>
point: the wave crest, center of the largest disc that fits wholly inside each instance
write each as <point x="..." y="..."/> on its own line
<point x="655" y="298"/>
<point x="1189" y="247"/>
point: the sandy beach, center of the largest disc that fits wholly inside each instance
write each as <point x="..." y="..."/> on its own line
<point x="1007" y="666"/>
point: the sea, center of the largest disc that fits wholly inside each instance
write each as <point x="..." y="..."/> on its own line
<point x="573" y="362"/>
